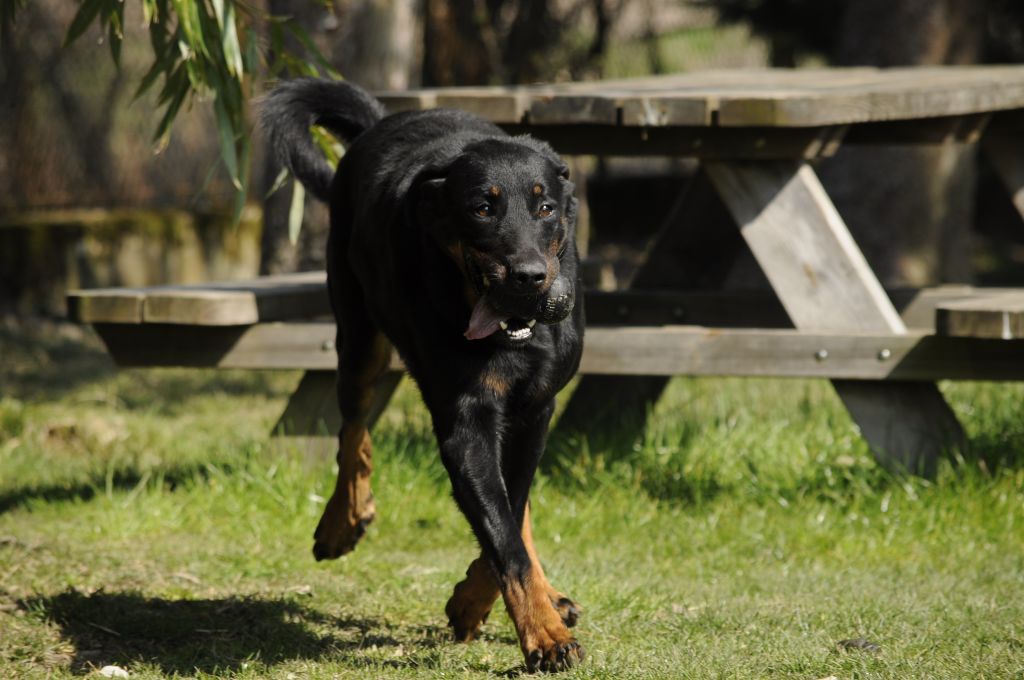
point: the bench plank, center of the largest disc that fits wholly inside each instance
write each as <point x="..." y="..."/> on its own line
<point x="662" y="351"/>
<point x="270" y="298"/>
<point x="998" y="317"/>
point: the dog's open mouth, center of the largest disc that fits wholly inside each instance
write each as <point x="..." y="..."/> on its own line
<point x="485" y="320"/>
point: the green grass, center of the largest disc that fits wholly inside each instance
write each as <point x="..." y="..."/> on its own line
<point x="147" y="521"/>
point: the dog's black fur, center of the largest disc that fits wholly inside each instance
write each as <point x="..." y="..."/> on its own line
<point x="430" y="211"/>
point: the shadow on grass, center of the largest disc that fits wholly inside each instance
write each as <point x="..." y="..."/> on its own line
<point x="46" y="362"/>
<point x="209" y="636"/>
<point x="121" y="480"/>
<point x="994" y="451"/>
<point x="619" y="447"/>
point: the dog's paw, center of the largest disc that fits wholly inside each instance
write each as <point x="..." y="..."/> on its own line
<point x="339" y="531"/>
<point x="464" y="622"/>
<point x="471" y="601"/>
<point x="555" y="656"/>
<point x="566" y="608"/>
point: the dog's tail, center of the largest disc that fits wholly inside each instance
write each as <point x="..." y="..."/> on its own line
<point x="295" y="105"/>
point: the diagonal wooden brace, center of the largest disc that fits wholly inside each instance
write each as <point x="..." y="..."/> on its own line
<point x="825" y="284"/>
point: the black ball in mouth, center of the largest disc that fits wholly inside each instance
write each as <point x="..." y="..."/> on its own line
<point x="547" y="308"/>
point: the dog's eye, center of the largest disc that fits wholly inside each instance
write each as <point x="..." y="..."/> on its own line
<point x="546" y="210"/>
<point x="484" y="210"/>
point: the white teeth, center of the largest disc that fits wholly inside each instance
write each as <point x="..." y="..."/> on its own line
<point x="504" y="325"/>
<point x="531" y="323"/>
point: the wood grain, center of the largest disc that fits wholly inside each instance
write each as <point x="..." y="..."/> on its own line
<point x="661" y="351"/>
<point x="774" y="98"/>
<point x="268" y="298"/>
<point x="825" y="284"/>
<point x="998" y="317"/>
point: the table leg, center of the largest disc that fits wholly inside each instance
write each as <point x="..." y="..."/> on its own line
<point x="311" y="420"/>
<point x="1006" y="155"/>
<point x="825" y="284"/>
<point x="694" y="250"/>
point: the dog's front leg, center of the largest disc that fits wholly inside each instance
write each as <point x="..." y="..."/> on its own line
<point x="470" y="436"/>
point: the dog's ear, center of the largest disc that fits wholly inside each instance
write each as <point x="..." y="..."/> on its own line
<point x="432" y="199"/>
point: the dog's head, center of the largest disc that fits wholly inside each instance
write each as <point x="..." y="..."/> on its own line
<point x="505" y="213"/>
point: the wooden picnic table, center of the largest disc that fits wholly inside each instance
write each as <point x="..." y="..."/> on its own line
<point x="757" y="135"/>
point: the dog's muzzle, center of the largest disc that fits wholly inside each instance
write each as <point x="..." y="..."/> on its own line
<point x="516" y="315"/>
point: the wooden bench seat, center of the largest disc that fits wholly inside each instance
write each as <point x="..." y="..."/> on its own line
<point x="999" y="317"/>
<point x="236" y="303"/>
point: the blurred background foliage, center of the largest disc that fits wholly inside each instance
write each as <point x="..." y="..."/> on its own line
<point x="165" y="127"/>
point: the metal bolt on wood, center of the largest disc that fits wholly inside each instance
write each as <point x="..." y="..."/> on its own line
<point x="328" y="346"/>
<point x="821" y="354"/>
<point x="884" y="354"/>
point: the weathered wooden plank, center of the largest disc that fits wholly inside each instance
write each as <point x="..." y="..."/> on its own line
<point x="786" y="98"/>
<point x="106" y="305"/>
<point x="692" y="141"/>
<point x="619" y="351"/>
<point x="803" y="246"/>
<point x="999" y="317"/>
<point x="825" y="284"/>
<point x="271" y="298"/>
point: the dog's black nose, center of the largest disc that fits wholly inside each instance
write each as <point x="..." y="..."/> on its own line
<point x="529" y="277"/>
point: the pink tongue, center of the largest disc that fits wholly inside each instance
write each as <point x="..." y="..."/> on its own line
<point x="484" y="320"/>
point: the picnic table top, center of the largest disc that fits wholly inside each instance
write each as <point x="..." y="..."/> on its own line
<point x="748" y="98"/>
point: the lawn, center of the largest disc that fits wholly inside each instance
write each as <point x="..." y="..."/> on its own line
<point x="147" y="521"/>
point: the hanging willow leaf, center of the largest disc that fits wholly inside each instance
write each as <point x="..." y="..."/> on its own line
<point x="86" y="14"/>
<point x="207" y="50"/>
<point x="295" y="211"/>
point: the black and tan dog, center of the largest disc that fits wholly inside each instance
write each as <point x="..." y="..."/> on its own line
<point x="453" y="242"/>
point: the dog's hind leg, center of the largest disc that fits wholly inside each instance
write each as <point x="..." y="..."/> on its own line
<point x="363" y="357"/>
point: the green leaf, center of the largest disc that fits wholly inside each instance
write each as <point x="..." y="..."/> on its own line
<point x="232" y="49"/>
<point x="241" y="195"/>
<point x="280" y="181"/>
<point x="115" y="31"/>
<point x="163" y="64"/>
<point x="300" y="34"/>
<point x="163" y="130"/>
<point x="227" y="134"/>
<point x="295" y="212"/>
<point x="218" y="11"/>
<point x="85" y="15"/>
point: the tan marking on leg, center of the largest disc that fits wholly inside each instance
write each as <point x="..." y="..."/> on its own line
<point x="546" y="643"/>
<point x="474" y="596"/>
<point x="566" y="608"/>
<point x="351" y="507"/>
